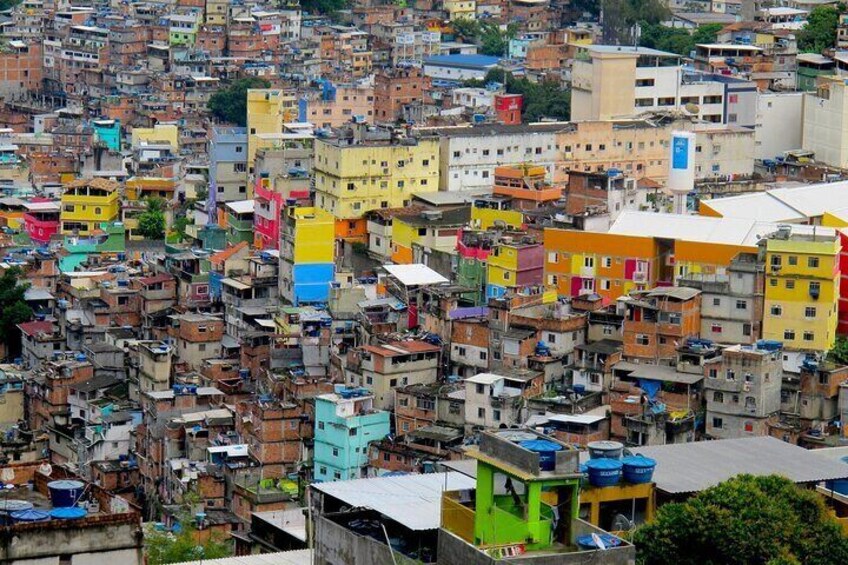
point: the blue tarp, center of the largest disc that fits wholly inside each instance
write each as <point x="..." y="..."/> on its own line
<point x="650" y="387"/>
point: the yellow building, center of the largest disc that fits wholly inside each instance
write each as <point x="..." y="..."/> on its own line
<point x="460" y="9"/>
<point x="355" y="176"/>
<point x="434" y="230"/>
<point x="139" y="188"/>
<point x="307" y="251"/>
<point x="160" y="133"/>
<point x="495" y="211"/>
<point x="802" y="288"/>
<point x="267" y="110"/>
<point x="87" y="203"/>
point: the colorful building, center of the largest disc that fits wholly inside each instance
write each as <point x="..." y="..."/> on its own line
<point x="840" y="220"/>
<point x="526" y="184"/>
<point x="183" y="28"/>
<point x="369" y="171"/>
<point x="345" y="425"/>
<point x="41" y="220"/>
<point x="514" y="263"/>
<point x="88" y="203"/>
<point x="433" y="230"/>
<point x="107" y="238"/>
<point x="228" y="164"/>
<point x="267" y="111"/>
<point x="495" y="211"/>
<point x="802" y="287"/>
<point x="12" y="212"/>
<point x="160" y="133"/>
<point x="108" y="132"/>
<point x="139" y="188"/>
<point x="473" y="248"/>
<point x="240" y="221"/>
<point x="307" y="255"/>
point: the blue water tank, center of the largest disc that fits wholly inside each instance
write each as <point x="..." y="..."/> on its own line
<point x="638" y="469"/>
<point x="604" y="472"/>
<point x="69" y="513"/>
<point x="546" y="450"/>
<point x="31" y="515"/>
<point x="588" y="542"/>
<point x="14" y="505"/>
<point x="80" y="357"/>
<point x="580" y="389"/>
<point x="64" y="493"/>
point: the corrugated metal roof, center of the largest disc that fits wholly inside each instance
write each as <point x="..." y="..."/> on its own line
<point x="394" y="497"/>
<point x="693" y="467"/>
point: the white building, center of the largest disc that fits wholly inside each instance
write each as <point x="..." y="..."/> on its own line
<point x="453" y="69"/>
<point x="490" y="401"/>
<point x="779" y="123"/>
<point x="723" y="152"/>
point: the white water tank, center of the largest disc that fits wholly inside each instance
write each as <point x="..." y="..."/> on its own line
<point x="681" y="174"/>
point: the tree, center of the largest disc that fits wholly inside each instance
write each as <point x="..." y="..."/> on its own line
<point x="151" y="222"/>
<point x="466" y="29"/>
<point x="839" y="353"/>
<point x="820" y="32"/>
<point x="762" y="520"/>
<point x="175" y="547"/>
<point x="677" y="40"/>
<point x="322" y="6"/>
<point x="541" y="100"/>
<point x="620" y="18"/>
<point x="230" y="104"/>
<point x="13" y="310"/>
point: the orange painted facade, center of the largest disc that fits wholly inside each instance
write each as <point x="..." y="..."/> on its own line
<point x="352" y="230"/>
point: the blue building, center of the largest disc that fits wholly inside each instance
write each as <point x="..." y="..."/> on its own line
<point x="228" y="165"/>
<point x="108" y="132"/>
<point x="345" y="425"/>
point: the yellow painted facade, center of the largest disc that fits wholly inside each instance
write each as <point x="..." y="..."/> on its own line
<point x="88" y="203"/>
<point x="314" y="235"/>
<point x="460" y="9"/>
<point x="802" y="291"/>
<point x="353" y="179"/>
<point x="160" y="133"/>
<point x="485" y="218"/>
<point x="267" y="111"/>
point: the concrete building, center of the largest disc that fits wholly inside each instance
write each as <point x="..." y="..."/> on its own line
<point x="779" y="125"/>
<point x="381" y="368"/>
<point x="656" y="321"/>
<point x="307" y="252"/>
<point x="228" y="164"/>
<point x="610" y="82"/>
<point x="346" y="422"/>
<point x="732" y="303"/>
<point x="494" y="401"/>
<point x="742" y="389"/>
<point x="824" y="122"/>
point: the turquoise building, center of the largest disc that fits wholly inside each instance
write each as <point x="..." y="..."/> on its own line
<point x="108" y="132"/>
<point x="345" y="425"/>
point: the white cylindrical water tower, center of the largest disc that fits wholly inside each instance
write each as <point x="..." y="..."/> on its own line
<point x="681" y="174"/>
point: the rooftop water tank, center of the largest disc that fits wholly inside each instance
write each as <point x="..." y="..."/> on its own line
<point x="65" y="493"/>
<point x="605" y="449"/>
<point x="638" y="469"/>
<point x="604" y="472"/>
<point x="516" y="436"/>
<point x="14" y="505"/>
<point x="546" y="450"/>
<point x="591" y="542"/>
<point x="80" y="357"/>
<point x="69" y="513"/>
<point x="31" y="515"/>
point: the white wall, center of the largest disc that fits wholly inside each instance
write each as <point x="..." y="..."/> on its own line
<point x="779" y="123"/>
<point x="823" y="129"/>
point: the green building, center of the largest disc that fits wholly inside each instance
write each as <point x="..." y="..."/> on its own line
<point x="810" y="67"/>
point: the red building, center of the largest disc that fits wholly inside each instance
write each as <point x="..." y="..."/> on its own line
<point x="41" y="219"/>
<point x="508" y="108"/>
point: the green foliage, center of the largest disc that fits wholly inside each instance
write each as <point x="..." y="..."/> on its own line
<point x="13" y="310"/>
<point x="839" y="353"/>
<point x="493" y="40"/>
<point x="230" y="104"/>
<point x="466" y="29"/>
<point x="8" y="4"/>
<point x="677" y="40"/>
<point x="165" y="547"/>
<point x="322" y="6"/>
<point x="621" y="17"/>
<point x="151" y="222"/>
<point x="541" y="100"/>
<point x="820" y="32"/>
<point x="765" y="520"/>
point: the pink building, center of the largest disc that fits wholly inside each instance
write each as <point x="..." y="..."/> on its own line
<point x="41" y="219"/>
<point x="271" y="198"/>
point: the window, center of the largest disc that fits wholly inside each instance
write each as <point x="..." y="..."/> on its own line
<point x="716" y="301"/>
<point x="776" y="310"/>
<point x="337" y="475"/>
<point x="321" y="427"/>
<point x="773" y="282"/>
<point x="480" y="388"/>
<point x="746" y="329"/>
<point x="813" y="262"/>
<point x="201" y="347"/>
<point x="716" y="328"/>
<point x="484" y="355"/>
<point x="809" y="336"/>
<point x="335" y="452"/>
<point x="481" y="412"/>
<point x="644" y="82"/>
<point x="352" y="432"/>
<point x="815" y="288"/>
<point x="323" y="470"/>
<point x="642" y="339"/>
<point x="792" y="260"/>
<point x="717" y="423"/>
<point x="790" y="284"/>
<point x="496" y="415"/>
<point x="713" y="373"/>
<point x="776" y="260"/>
<point x="789" y="335"/>
<point x="810" y="312"/>
<point x="605" y="284"/>
<point x="553" y="257"/>
<point x="718" y="396"/>
<point x="607" y="262"/>
<point x="741" y="305"/>
<point x="730" y="375"/>
<point x="589" y="262"/>
<point x="239" y="167"/>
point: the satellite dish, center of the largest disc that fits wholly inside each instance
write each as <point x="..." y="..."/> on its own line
<point x="622" y="523"/>
<point x="45" y="469"/>
<point x="692" y="108"/>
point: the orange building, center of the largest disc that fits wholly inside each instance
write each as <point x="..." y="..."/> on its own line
<point x="525" y="183"/>
<point x="658" y="321"/>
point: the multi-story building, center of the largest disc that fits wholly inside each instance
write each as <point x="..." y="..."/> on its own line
<point x="363" y="170"/>
<point x="346" y="422"/>
<point x="658" y="320"/>
<point x="731" y="304"/>
<point x="228" y="165"/>
<point x="397" y="88"/>
<point x="267" y="111"/>
<point x="431" y="231"/>
<point x="197" y="338"/>
<point x="382" y="368"/>
<point x="240" y="221"/>
<point x="307" y="251"/>
<point x="514" y="265"/>
<point x="825" y="112"/>
<point x="742" y="388"/>
<point x="87" y="203"/>
<point x="336" y="105"/>
<point x="802" y="288"/>
<point x="610" y="82"/>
